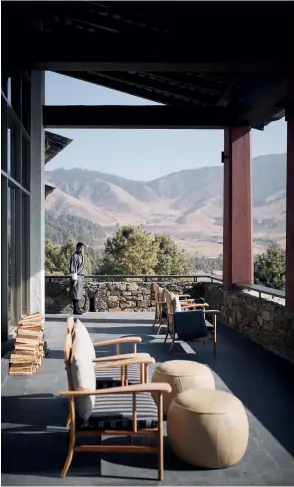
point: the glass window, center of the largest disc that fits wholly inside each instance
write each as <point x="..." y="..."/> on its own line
<point x="11" y="257"/>
<point x="26" y="104"/>
<point x="14" y="148"/>
<point x="4" y="259"/>
<point x="9" y="89"/>
<point x="15" y="209"/>
<point x="26" y="163"/>
<point x="25" y="253"/>
<point x="16" y="94"/>
<point x="3" y="134"/>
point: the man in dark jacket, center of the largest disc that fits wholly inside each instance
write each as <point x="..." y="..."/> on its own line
<point x="77" y="271"/>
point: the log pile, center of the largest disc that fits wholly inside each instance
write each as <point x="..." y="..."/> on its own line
<point x="29" y="349"/>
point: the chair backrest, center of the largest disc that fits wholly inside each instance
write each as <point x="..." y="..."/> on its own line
<point x="156" y="291"/>
<point x="190" y="325"/>
<point x="67" y="357"/>
<point x="70" y="324"/>
<point x="170" y="308"/>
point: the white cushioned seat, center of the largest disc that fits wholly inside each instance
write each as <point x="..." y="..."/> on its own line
<point x="115" y="412"/>
<point x="105" y="377"/>
<point x="82" y="374"/>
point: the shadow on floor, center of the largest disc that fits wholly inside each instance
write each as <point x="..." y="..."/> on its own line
<point x="48" y="451"/>
<point x="37" y="410"/>
<point x="260" y="379"/>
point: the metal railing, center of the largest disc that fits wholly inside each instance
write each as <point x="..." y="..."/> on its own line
<point x="261" y="290"/>
<point x="146" y="278"/>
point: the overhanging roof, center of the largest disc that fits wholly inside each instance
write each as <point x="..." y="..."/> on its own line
<point x="201" y="54"/>
<point x="54" y="144"/>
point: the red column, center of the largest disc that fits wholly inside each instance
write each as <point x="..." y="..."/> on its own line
<point x="290" y="199"/>
<point x="237" y="226"/>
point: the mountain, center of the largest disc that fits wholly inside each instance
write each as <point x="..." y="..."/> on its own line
<point x="187" y="204"/>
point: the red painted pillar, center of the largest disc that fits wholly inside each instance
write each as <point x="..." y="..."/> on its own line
<point x="290" y="198"/>
<point x="237" y="226"/>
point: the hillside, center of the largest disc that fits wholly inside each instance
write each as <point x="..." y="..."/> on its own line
<point x="187" y="204"/>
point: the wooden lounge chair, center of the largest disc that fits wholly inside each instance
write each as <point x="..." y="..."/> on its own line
<point x="115" y="375"/>
<point x="187" y="325"/>
<point x="123" y="411"/>
<point x="160" y="306"/>
<point x="111" y="377"/>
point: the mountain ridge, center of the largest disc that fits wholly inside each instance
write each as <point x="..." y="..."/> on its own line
<point x="187" y="203"/>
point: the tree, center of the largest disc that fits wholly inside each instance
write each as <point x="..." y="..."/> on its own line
<point x="57" y="257"/>
<point x="170" y="260"/>
<point x="270" y="268"/>
<point x="131" y="251"/>
<point x="51" y="257"/>
<point x="65" y="252"/>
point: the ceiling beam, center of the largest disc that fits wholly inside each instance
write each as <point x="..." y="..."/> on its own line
<point x="137" y="117"/>
<point x="143" y="82"/>
<point x="265" y="103"/>
<point x="114" y="85"/>
<point x="65" y="51"/>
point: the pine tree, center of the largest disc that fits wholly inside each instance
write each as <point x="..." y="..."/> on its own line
<point x="270" y="268"/>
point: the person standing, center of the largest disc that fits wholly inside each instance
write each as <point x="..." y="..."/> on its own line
<point x="77" y="271"/>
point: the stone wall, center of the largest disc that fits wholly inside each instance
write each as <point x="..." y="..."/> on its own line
<point x="112" y="296"/>
<point x="264" y="321"/>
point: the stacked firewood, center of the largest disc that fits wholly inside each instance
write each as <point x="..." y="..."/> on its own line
<point x="29" y="350"/>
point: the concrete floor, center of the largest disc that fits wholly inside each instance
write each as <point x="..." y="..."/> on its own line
<point x="34" y="440"/>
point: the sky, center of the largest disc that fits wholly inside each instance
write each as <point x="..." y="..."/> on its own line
<point x="141" y="154"/>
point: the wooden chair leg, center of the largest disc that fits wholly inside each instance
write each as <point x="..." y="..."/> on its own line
<point x="166" y="336"/>
<point x="146" y="374"/>
<point x="214" y="335"/>
<point x="68" y="421"/>
<point x="70" y="452"/>
<point x="160" y="437"/>
<point x="172" y="344"/>
<point x="159" y="327"/>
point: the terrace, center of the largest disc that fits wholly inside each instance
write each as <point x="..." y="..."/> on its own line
<point x="213" y="87"/>
<point x="33" y="414"/>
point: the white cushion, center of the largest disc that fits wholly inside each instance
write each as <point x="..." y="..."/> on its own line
<point x="82" y="374"/>
<point x="84" y="335"/>
<point x="177" y="304"/>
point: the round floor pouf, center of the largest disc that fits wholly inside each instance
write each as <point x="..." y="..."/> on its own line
<point x="208" y="428"/>
<point x="182" y="375"/>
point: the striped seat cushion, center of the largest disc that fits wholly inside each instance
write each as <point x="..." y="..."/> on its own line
<point x="112" y="377"/>
<point x="115" y="412"/>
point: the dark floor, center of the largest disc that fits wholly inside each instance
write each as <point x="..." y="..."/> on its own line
<point x="34" y="440"/>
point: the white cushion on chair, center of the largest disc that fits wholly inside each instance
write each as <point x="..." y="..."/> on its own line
<point x="176" y="303"/>
<point x="82" y="373"/>
<point x="83" y="332"/>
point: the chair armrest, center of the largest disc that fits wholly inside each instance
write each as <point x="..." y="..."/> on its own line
<point x="150" y="387"/>
<point x="120" y="357"/>
<point x="114" y="341"/>
<point x="195" y="305"/>
<point x="122" y="363"/>
<point x="212" y="311"/>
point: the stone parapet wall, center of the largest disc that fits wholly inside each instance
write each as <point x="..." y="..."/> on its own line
<point x="265" y="322"/>
<point x="112" y="296"/>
